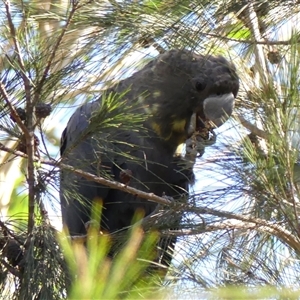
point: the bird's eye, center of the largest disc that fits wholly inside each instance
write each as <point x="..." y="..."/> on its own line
<point x="200" y="86"/>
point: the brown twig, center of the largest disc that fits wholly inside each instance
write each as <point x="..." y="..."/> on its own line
<point x="234" y="221"/>
<point x="260" y="60"/>
<point x="263" y="225"/>
<point x="117" y="185"/>
<point x="13" y="111"/>
<point x="18" y="51"/>
<point x="92" y="177"/>
<point x="252" y="42"/>
<point x="28" y="129"/>
<point x="251" y="127"/>
<point x="53" y="53"/>
<point x="12" y="270"/>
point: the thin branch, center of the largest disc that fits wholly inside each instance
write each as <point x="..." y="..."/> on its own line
<point x="13" y="111"/>
<point x="281" y="232"/>
<point x="92" y="177"/>
<point x="53" y="53"/>
<point x="12" y="270"/>
<point x="269" y="227"/>
<point x="28" y="129"/>
<point x="232" y="222"/>
<point x="117" y="185"/>
<point x="261" y="65"/>
<point x="255" y="130"/>
<point x="18" y="51"/>
<point x="15" y="152"/>
<point x="252" y="42"/>
<point x="31" y="178"/>
<point x="239" y="222"/>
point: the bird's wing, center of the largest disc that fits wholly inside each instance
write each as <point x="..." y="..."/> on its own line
<point x="83" y="151"/>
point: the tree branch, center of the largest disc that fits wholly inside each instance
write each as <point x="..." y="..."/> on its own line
<point x="239" y="222"/>
<point x="12" y="110"/>
<point x="18" y="51"/>
<point x="260" y="64"/>
<point x="28" y="129"/>
<point x="252" y="42"/>
<point x="53" y="54"/>
<point x="251" y="127"/>
<point x="245" y="222"/>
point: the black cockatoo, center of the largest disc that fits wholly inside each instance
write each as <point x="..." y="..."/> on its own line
<point x="168" y="91"/>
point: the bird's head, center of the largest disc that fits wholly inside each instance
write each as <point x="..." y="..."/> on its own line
<point x="216" y="84"/>
<point x="183" y="84"/>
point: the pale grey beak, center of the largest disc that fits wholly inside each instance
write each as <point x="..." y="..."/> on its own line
<point x="218" y="109"/>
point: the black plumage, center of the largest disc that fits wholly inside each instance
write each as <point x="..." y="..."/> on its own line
<point x="167" y="92"/>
